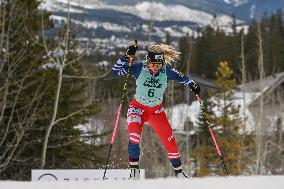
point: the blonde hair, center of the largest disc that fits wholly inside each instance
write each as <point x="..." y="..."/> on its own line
<point x="170" y="53"/>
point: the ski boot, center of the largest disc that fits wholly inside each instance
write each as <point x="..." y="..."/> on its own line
<point x="134" y="172"/>
<point x="181" y="175"/>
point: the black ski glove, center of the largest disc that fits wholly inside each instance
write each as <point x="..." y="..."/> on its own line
<point x="195" y="88"/>
<point x="131" y="51"/>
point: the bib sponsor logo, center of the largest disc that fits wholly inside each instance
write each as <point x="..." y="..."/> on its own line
<point x="153" y="82"/>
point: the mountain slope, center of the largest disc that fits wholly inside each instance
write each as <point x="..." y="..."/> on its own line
<point x="117" y="21"/>
<point x="243" y="9"/>
<point x="178" y="20"/>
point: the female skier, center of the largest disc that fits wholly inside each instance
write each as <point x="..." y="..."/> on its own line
<point x="152" y="76"/>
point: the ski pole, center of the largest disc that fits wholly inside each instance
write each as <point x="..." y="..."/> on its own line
<point x="118" y="113"/>
<point x="212" y="134"/>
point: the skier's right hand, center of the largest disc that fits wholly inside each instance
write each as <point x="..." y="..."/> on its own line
<point x="131" y="51"/>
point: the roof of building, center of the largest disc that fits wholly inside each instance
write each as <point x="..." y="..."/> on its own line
<point x="265" y="87"/>
<point x="257" y="85"/>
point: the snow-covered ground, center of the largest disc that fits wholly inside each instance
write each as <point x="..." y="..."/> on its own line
<point x="261" y="182"/>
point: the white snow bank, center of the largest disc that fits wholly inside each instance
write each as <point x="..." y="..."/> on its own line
<point x="260" y="182"/>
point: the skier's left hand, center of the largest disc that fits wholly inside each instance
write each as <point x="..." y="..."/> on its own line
<point x="195" y="88"/>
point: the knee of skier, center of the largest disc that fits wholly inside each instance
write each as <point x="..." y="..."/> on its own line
<point x="133" y="118"/>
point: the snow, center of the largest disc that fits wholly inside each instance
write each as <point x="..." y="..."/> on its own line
<point x="181" y="112"/>
<point x="103" y="63"/>
<point x="259" y="182"/>
<point x="54" y="6"/>
<point x="93" y="24"/>
<point x="145" y="10"/>
<point x="88" y="129"/>
<point x="49" y="66"/>
<point x="148" y="11"/>
<point x="252" y="11"/>
<point x="244" y="109"/>
<point x="236" y="3"/>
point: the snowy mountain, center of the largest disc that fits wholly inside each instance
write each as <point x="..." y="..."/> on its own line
<point x="241" y="8"/>
<point x="108" y="22"/>
<point x="235" y="2"/>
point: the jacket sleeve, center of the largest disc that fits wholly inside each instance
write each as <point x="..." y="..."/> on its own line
<point x="121" y="67"/>
<point x="174" y="74"/>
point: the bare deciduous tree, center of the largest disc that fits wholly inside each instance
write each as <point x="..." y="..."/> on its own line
<point x="259" y="128"/>
<point x="59" y="58"/>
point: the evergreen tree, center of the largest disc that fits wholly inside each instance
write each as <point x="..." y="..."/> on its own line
<point x="204" y="152"/>
<point x="184" y="48"/>
<point x="251" y="51"/>
<point x="182" y="65"/>
<point x="168" y="39"/>
<point x="29" y="81"/>
<point x="233" y="49"/>
<point x="204" y="53"/>
<point x="276" y="43"/>
<point x="213" y="46"/>
<point x="20" y="134"/>
<point x="226" y="125"/>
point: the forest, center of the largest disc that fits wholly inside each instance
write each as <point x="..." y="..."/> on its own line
<point x="58" y="104"/>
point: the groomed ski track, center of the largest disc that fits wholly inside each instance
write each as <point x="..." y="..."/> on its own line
<point x="245" y="182"/>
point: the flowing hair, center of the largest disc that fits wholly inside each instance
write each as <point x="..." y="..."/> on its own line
<point x="170" y="53"/>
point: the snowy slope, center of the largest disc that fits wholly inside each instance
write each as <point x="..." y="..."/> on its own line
<point x="273" y="182"/>
<point x="102" y="23"/>
<point x="145" y="10"/>
<point x="107" y="18"/>
<point x="241" y="8"/>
